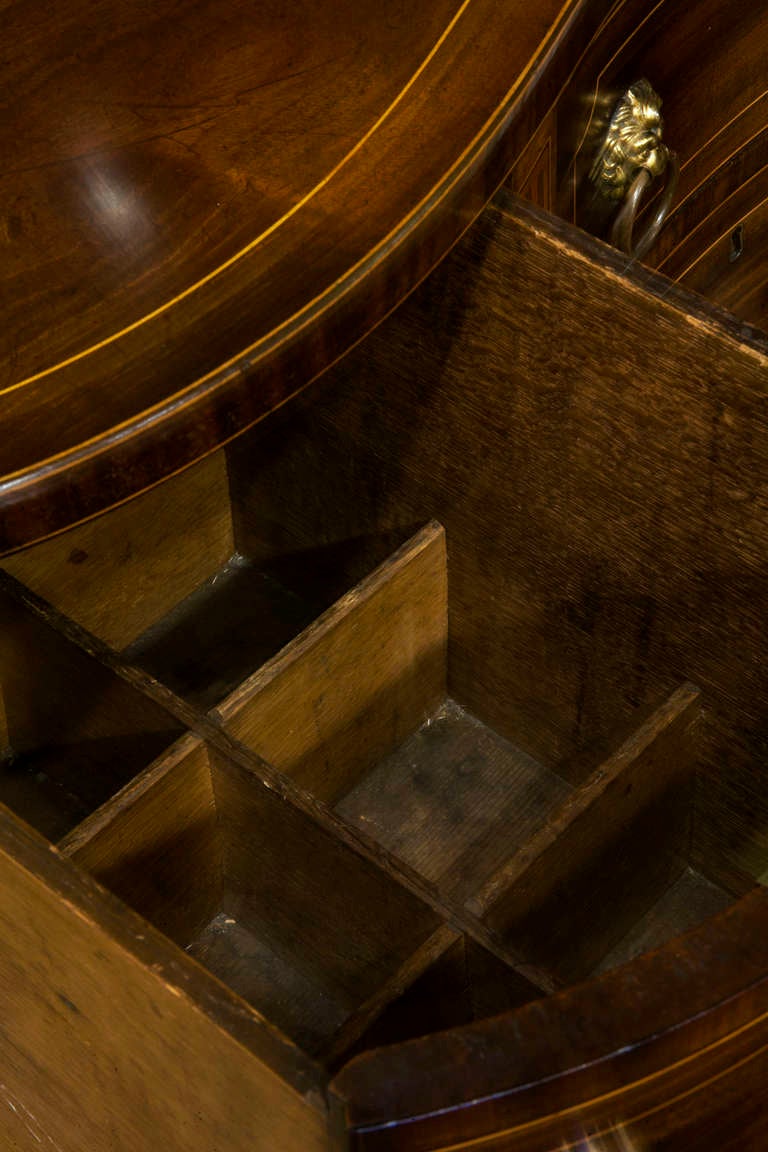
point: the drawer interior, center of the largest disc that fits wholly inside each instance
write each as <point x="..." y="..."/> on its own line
<point x="387" y="740"/>
<point x="288" y="770"/>
<point x="345" y="840"/>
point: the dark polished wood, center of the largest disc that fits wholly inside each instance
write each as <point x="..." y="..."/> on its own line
<point x="202" y="211"/>
<point x="383" y="712"/>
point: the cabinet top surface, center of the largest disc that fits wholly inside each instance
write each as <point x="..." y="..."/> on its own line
<point x="203" y="207"/>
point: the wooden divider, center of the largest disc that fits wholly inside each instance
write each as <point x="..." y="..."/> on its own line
<point x="75" y="732"/>
<point x="119" y="574"/>
<point x="5" y="742"/>
<point x="336" y="935"/>
<point x="356" y="683"/>
<point x="576" y="887"/>
<point x="229" y="844"/>
<point x="464" y="984"/>
<point x="356" y="712"/>
<point x="156" y="843"/>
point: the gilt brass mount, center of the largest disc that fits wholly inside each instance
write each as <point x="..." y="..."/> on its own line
<point x="632" y="142"/>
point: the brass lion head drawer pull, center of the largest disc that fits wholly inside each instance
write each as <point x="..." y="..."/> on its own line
<point x="623" y="225"/>
<point x="631" y="157"/>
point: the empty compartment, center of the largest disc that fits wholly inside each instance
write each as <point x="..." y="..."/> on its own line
<point x="687" y="902"/>
<point x="72" y="732"/>
<point x="313" y="935"/>
<point x="357" y="711"/>
<point x="609" y="875"/>
<point x="167" y="580"/>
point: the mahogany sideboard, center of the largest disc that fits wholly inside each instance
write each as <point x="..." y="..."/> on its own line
<point x="383" y="668"/>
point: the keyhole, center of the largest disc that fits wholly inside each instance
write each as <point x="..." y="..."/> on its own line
<point x="737" y="243"/>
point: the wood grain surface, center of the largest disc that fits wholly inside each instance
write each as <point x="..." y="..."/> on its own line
<point x="453" y="800"/>
<point x="607" y="853"/>
<point x="730" y="268"/>
<point x="163" y="775"/>
<point x="465" y="984"/>
<point x="179" y="263"/>
<point x="118" y="575"/>
<point x="347" y="936"/>
<point x="74" y="732"/>
<point x="134" y="1043"/>
<point x="356" y="683"/>
<point x="155" y="844"/>
<point x="318" y="940"/>
<point x="686" y="904"/>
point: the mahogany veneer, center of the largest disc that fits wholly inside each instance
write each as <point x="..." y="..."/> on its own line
<point x="203" y="211"/>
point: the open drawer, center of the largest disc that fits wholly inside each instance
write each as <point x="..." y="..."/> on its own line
<point x="367" y="777"/>
<point x="356" y="854"/>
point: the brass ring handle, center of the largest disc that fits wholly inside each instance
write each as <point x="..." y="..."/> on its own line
<point x="623" y="225"/>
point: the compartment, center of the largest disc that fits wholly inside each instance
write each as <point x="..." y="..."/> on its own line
<point x="112" y="1036"/>
<point x="685" y="904"/>
<point x="317" y="938"/>
<point x="72" y="732"/>
<point x="168" y="581"/>
<point x="615" y="850"/>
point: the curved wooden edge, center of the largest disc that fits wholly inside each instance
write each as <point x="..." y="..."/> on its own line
<point x="194" y="416"/>
<point x="681" y="1023"/>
